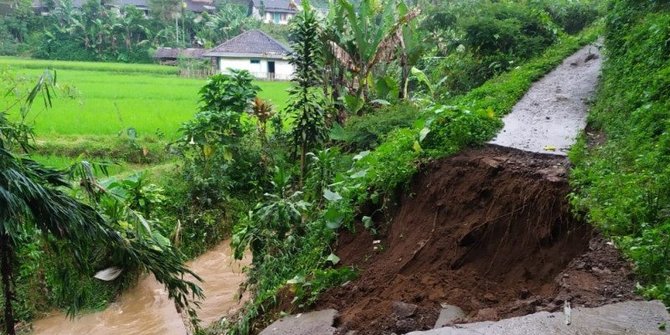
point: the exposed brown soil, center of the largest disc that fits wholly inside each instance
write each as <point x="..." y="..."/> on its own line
<point x="489" y="231"/>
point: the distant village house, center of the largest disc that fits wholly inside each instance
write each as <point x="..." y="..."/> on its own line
<point x="254" y="51"/>
<point x="274" y="11"/>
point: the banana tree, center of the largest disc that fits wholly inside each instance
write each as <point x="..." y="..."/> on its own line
<point x="362" y="38"/>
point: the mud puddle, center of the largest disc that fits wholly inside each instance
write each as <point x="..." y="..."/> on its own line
<point x="146" y="309"/>
<point x="489" y="231"/>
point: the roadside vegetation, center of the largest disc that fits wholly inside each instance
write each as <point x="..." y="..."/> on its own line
<point x="382" y="127"/>
<point x="621" y="165"/>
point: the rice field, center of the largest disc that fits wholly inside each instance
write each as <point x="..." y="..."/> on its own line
<point x="108" y="98"/>
<point x="98" y="102"/>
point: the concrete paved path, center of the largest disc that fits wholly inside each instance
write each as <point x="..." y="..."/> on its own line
<point x="553" y="112"/>
<point x="630" y="318"/>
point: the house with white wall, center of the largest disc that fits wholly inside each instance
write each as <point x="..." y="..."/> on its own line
<point x="274" y="11"/>
<point x="254" y="51"/>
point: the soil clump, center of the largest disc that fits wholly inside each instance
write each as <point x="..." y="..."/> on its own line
<point x="489" y="231"/>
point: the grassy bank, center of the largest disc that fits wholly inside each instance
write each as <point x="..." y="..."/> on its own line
<point x="623" y="179"/>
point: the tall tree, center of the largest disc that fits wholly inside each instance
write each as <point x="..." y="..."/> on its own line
<point x="33" y="198"/>
<point x="306" y="98"/>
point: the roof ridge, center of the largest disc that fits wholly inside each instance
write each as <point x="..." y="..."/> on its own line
<point x="272" y="39"/>
<point x="243" y="34"/>
<point x="254" y="41"/>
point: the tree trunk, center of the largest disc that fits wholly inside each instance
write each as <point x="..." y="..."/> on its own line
<point x="402" y="94"/>
<point x="6" y="258"/>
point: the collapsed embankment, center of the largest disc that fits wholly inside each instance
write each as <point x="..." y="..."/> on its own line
<point x="490" y="231"/>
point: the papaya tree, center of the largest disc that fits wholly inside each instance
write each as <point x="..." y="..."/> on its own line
<point x="306" y="99"/>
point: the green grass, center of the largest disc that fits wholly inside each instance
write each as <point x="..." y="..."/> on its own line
<point x="111" y="97"/>
<point x="87" y="66"/>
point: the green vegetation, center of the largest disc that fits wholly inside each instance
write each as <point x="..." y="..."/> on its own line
<point x="66" y="136"/>
<point x="492" y="37"/>
<point x="624" y="183"/>
<point x="49" y="229"/>
<point x="95" y="32"/>
<point x="306" y="97"/>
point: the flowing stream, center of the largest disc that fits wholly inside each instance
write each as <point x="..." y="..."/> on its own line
<point x="146" y="309"/>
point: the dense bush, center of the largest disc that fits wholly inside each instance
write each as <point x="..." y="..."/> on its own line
<point x="369" y="130"/>
<point x="507" y="28"/>
<point x="475" y="40"/>
<point x="573" y="16"/>
<point x="624" y="185"/>
<point x="217" y="157"/>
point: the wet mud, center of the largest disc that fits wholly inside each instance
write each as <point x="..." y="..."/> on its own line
<point x="490" y="231"/>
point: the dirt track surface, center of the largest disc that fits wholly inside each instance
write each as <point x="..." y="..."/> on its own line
<point x="488" y="230"/>
<point x="553" y="112"/>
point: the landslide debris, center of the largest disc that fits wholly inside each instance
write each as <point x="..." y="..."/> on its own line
<point x="489" y="231"/>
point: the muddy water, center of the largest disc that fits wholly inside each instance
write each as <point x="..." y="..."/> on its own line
<point x="146" y="308"/>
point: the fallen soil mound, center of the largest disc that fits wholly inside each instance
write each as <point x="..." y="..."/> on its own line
<point x="489" y="231"/>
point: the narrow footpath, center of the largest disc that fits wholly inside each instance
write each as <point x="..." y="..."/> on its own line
<point x="553" y="112"/>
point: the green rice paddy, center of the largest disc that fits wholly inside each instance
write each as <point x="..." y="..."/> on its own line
<point x="104" y="100"/>
<point x="110" y="98"/>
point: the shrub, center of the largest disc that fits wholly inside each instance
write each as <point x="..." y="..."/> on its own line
<point x="482" y="39"/>
<point x="369" y="130"/>
<point x="218" y="157"/>
<point x="572" y="16"/>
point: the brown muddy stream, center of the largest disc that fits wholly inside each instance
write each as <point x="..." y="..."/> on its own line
<point x="146" y="309"/>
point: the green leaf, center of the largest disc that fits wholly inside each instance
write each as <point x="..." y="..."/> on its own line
<point x="333" y="218"/>
<point x="333" y="258"/>
<point x="422" y="78"/>
<point x="423" y="133"/>
<point x="331" y="196"/>
<point x="338" y="133"/>
<point x="296" y="280"/>
<point x="367" y="222"/>
<point x="361" y="155"/>
<point x="359" y="174"/>
<point x="417" y="147"/>
<point x="353" y="103"/>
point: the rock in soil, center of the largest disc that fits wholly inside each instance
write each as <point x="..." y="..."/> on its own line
<point x="487" y="230"/>
<point x="403" y="310"/>
<point x="448" y="314"/>
<point x="320" y="322"/>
